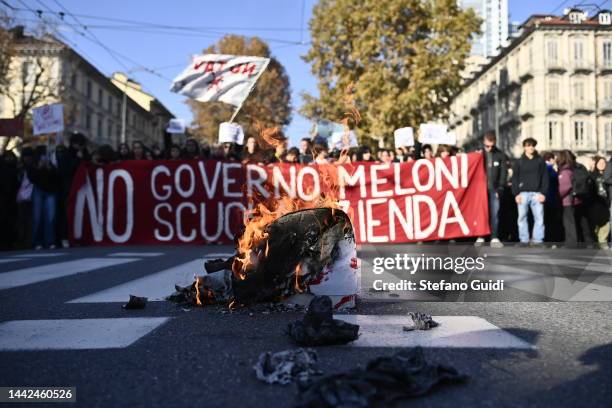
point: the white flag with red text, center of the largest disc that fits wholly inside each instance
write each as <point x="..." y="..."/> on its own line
<point x="223" y="78"/>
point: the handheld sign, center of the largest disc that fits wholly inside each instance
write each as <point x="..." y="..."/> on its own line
<point x="176" y="126"/>
<point x="434" y="133"/>
<point x="231" y="133"/>
<point x="403" y="137"/>
<point x="341" y="140"/>
<point x="48" y="119"/>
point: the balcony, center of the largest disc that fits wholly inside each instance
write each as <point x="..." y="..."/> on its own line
<point x="508" y="118"/>
<point x="556" y="66"/>
<point x="556" y="105"/>
<point x="582" y="105"/>
<point x="582" y="144"/>
<point x="582" y="66"/>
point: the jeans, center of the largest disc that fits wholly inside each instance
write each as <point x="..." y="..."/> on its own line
<point x="494" y="213"/>
<point x="529" y="200"/>
<point x="43" y="217"/>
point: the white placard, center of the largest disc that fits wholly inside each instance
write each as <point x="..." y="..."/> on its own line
<point x="338" y="143"/>
<point x="48" y="119"/>
<point x="434" y="133"/>
<point x="404" y="137"/>
<point x="231" y="133"/>
<point x="176" y="126"/>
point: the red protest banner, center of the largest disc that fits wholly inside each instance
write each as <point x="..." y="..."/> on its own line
<point x="154" y="202"/>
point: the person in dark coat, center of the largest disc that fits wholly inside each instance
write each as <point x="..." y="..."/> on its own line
<point x="497" y="173"/>
<point x="8" y="199"/>
<point x="46" y="181"/>
<point x="552" y="206"/>
<point x="529" y="187"/>
<point x="599" y="206"/>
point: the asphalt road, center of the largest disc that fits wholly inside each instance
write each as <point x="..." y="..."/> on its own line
<point x="557" y="354"/>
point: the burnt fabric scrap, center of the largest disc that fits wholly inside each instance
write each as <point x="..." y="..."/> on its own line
<point x="136" y="302"/>
<point x="287" y="366"/>
<point x="319" y="328"/>
<point x="404" y="375"/>
<point x="421" y="321"/>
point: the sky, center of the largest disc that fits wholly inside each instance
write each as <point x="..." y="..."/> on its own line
<point x="284" y="23"/>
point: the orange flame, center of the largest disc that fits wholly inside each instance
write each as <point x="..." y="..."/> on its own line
<point x="197" y="286"/>
<point x="265" y="212"/>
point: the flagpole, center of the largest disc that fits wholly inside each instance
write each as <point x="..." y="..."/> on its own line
<point x="250" y="90"/>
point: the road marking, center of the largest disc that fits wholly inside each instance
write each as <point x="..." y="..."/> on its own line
<point x="7" y="260"/>
<point x="75" y="334"/>
<point x="571" y="263"/>
<point x="35" y="274"/>
<point x="133" y="254"/>
<point x="39" y="255"/>
<point x="155" y="287"/>
<point x="219" y="255"/>
<point x="553" y="287"/>
<point x="453" y="332"/>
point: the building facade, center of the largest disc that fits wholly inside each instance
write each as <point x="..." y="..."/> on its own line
<point x="494" y="15"/>
<point x="552" y="83"/>
<point x="93" y="103"/>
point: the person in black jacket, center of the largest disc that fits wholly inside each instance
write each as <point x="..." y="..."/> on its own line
<point x="608" y="182"/>
<point x="46" y="181"/>
<point x="529" y="187"/>
<point x="497" y="173"/>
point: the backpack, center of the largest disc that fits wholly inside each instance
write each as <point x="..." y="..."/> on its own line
<point x="582" y="183"/>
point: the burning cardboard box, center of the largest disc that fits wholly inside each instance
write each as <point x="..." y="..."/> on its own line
<point x="309" y="251"/>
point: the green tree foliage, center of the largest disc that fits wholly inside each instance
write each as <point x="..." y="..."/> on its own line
<point x="269" y="104"/>
<point x="403" y="56"/>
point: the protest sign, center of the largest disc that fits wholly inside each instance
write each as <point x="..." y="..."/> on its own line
<point x="155" y="202"/>
<point x="434" y="133"/>
<point x="343" y="140"/>
<point x="48" y="119"/>
<point x="403" y="137"/>
<point x="231" y="133"/>
<point x="176" y="126"/>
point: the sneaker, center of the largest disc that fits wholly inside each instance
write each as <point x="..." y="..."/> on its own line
<point x="38" y="247"/>
<point x="496" y="243"/>
<point x="523" y="244"/>
<point x="52" y="246"/>
<point x="479" y="242"/>
<point x="65" y="243"/>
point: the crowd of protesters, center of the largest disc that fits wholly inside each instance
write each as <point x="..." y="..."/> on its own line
<point x="537" y="198"/>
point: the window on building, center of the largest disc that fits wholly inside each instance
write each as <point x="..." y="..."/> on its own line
<point x="89" y="89"/>
<point x="607" y="53"/>
<point x="73" y="81"/>
<point x="552" y="52"/>
<point x="100" y="97"/>
<point x="109" y="103"/>
<point x="109" y="130"/>
<point x="578" y="51"/>
<point x="608" y="136"/>
<point x="99" y="129"/>
<point x="553" y="92"/>
<point x="555" y="133"/>
<point x="88" y="119"/>
<point x="579" y="91"/>
<point x="608" y="92"/>
<point x="580" y="132"/>
<point x="604" y="18"/>
<point x="27" y="72"/>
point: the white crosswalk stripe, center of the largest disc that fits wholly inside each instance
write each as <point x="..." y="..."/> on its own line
<point x="453" y="332"/>
<point x="39" y="255"/>
<point x="136" y="254"/>
<point x="155" y="287"/>
<point x="8" y="260"/>
<point x="42" y="273"/>
<point x="75" y="334"/>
